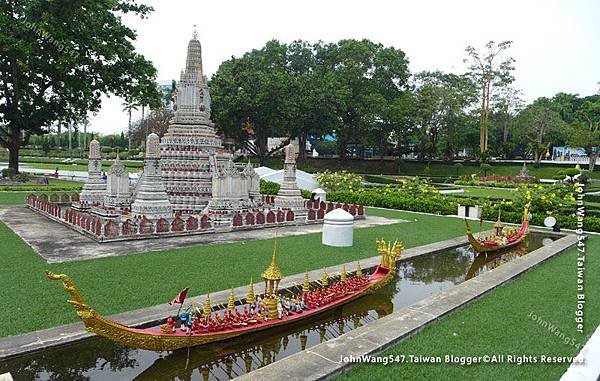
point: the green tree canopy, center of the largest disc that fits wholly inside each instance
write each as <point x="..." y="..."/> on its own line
<point x="442" y="102"/>
<point x="58" y="57"/>
<point x="584" y="130"/>
<point x="251" y="97"/>
<point x="374" y="82"/>
<point x="539" y="125"/>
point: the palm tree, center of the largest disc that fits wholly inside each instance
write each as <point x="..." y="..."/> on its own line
<point x="128" y="106"/>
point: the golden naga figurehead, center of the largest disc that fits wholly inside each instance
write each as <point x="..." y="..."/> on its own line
<point x="389" y="253"/>
<point x="77" y="301"/>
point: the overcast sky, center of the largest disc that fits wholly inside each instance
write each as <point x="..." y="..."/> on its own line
<point x="556" y="43"/>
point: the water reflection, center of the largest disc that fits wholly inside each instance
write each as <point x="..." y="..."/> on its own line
<point x="100" y="359"/>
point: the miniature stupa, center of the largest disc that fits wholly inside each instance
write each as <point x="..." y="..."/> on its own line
<point x="118" y="194"/>
<point x="151" y="199"/>
<point x="94" y="187"/>
<point x="289" y="195"/>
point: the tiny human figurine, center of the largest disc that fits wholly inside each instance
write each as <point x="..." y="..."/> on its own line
<point x="189" y="324"/>
<point x="303" y="303"/>
<point x="183" y="316"/>
<point x="279" y="310"/>
<point x="171" y="323"/>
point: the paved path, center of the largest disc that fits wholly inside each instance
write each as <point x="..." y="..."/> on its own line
<point x="57" y="243"/>
<point x="590" y="370"/>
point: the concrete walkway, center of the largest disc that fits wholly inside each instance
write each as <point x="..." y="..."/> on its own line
<point x="590" y="370"/>
<point x="324" y="361"/>
<point x="58" y="243"/>
<point x="13" y="346"/>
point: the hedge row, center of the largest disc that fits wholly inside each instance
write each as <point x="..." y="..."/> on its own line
<point x="441" y="205"/>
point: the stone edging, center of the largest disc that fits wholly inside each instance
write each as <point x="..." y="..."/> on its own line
<point x="14" y="346"/>
<point x="322" y="361"/>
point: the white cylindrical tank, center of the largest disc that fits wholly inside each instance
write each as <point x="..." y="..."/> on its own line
<point x="338" y="227"/>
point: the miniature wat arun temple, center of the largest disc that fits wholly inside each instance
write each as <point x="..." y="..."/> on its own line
<point x="189" y="184"/>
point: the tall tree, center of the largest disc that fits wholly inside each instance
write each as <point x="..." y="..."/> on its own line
<point x="505" y="107"/>
<point x="58" y="57"/>
<point x="251" y="98"/>
<point x="539" y="125"/>
<point x="489" y="70"/>
<point x="156" y="121"/>
<point x="314" y="93"/>
<point x="129" y="106"/>
<point x="441" y="103"/>
<point x="584" y="131"/>
<point x="372" y="78"/>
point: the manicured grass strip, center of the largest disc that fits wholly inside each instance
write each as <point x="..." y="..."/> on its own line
<point x="124" y="283"/>
<point x="53" y="185"/>
<point x="18" y="198"/>
<point x="499" y="324"/>
<point x="13" y="198"/>
<point x="482" y="192"/>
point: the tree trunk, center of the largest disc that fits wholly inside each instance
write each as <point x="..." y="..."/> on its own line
<point x="343" y="147"/>
<point x="382" y="147"/>
<point x="13" y="148"/>
<point x="302" y="146"/>
<point x="58" y="135"/>
<point x="129" y="131"/>
<point x="143" y="119"/>
<point x="536" y="157"/>
<point x="482" y="122"/>
<point x="70" y="141"/>
<point x="505" y="130"/>
<point x="262" y="148"/>
<point x="592" y="164"/>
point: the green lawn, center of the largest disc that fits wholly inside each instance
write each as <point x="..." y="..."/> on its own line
<point x="47" y="167"/>
<point x="499" y="324"/>
<point x="123" y="283"/>
<point x="482" y="192"/>
<point x="18" y="197"/>
<point x="32" y="184"/>
<point x="48" y="164"/>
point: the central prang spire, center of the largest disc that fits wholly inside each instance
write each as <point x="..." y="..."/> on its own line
<point x="193" y="62"/>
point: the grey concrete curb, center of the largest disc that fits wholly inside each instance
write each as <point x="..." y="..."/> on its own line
<point x="14" y="346"/>
<point x="323" y="361"/>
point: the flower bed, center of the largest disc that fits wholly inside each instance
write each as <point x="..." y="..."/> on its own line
<point x="556" y="201"/>
<point x="339" y="181"/>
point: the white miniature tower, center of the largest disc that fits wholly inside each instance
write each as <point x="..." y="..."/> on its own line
<point x="94" y="187"/>
<point x="289" y="196"/>
<point x="117" y="194"/>
<point x="151" y="199"/>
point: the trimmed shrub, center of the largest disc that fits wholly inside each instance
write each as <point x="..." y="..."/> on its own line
<point x="9" y="173"/>
<point x="269" y="187"/>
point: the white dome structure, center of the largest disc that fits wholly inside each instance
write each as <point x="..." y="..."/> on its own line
<point x="338" y="228"/>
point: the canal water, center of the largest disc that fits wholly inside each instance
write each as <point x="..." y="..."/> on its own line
<point x="418" y="278"/>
